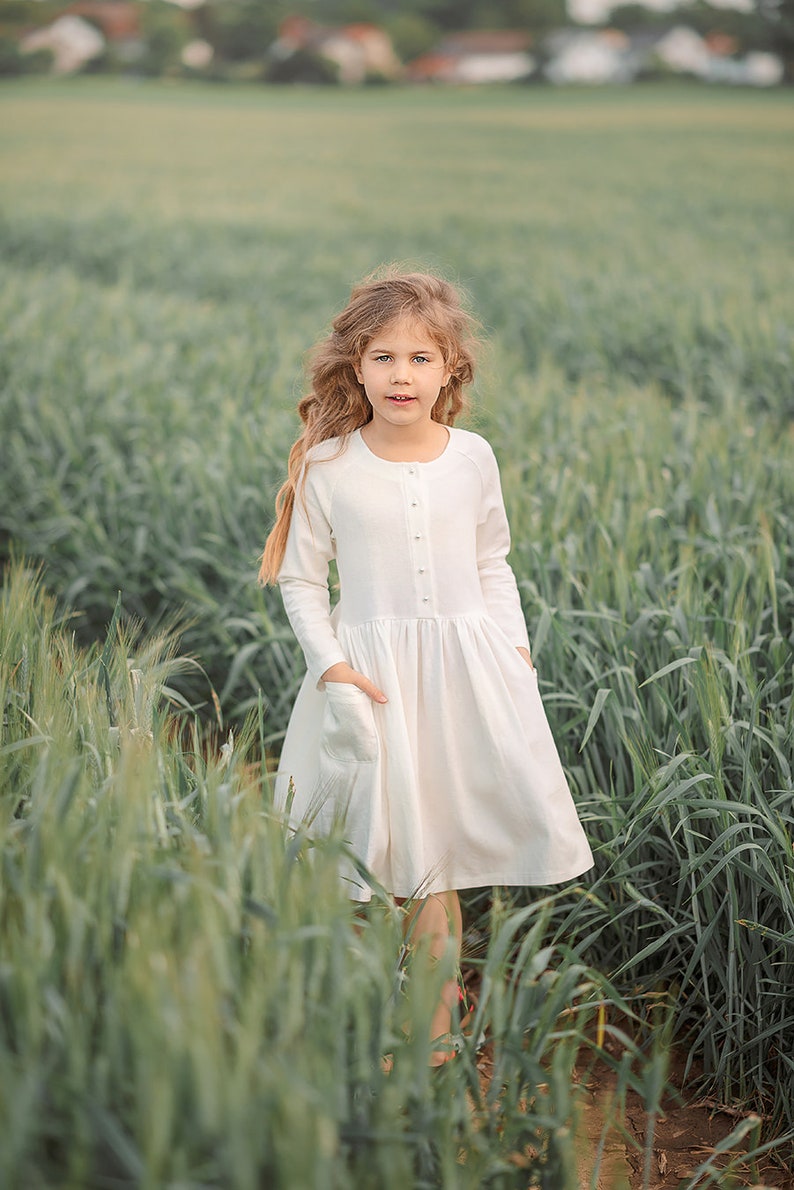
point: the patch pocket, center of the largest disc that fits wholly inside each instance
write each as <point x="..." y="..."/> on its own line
<point x="348" y="731"/>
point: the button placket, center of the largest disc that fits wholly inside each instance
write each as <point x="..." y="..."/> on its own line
<point x="417" y="528"/>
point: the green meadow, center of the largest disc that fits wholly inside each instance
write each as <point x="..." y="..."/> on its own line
<point x="185" y="997"/>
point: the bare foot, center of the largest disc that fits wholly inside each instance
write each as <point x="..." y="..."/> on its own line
<point x="450" y="1050"/>
<point x="439" y="1058"/>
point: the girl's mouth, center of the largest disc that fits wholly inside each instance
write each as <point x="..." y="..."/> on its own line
<point x="400" y="398"/>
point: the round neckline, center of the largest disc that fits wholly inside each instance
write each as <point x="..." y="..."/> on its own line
<point x="406" y="462"/>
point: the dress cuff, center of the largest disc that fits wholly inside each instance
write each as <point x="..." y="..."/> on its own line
<point x="319" y="664"/>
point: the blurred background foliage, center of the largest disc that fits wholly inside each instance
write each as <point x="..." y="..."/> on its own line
<point x="242" y="32"/>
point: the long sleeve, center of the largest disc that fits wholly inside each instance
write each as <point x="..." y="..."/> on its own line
<point x="303" y="580"/>
<point x="497" y="580"/>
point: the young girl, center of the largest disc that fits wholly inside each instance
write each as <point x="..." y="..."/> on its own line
<point x="419" y="722"/>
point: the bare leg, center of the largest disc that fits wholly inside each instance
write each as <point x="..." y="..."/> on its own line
<point x="438" y="918"/>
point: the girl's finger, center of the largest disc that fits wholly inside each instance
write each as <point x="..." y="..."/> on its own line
<point x="372" y="690"/>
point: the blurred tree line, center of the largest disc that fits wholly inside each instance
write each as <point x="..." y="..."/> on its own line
<point x="241" y="32"/>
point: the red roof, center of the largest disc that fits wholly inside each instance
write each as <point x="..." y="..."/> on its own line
<point x="430" y="67"/>
<point x="117" y="20"/>
<point x="360" y="31"/>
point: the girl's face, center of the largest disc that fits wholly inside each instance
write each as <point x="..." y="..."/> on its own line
<point x="403" y="370"/>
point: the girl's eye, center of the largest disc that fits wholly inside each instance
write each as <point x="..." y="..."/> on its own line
<point x="420" y="359"/>
<point x="382" y="359"/>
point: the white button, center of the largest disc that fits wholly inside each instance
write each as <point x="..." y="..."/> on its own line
<point x="417" y="536"/>
<point x="414" y="503"/>
<point x="425" y="599"/>
<point x="421" y="569"/>
<point x="410" y="471"/>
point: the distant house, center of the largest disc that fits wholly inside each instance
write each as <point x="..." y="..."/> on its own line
<point x="612" y="56"/>
<point x="588" y="56"/>
<point x="83" y="32"/>
<point x="118" y="20"/>
<point x="757" y="69"/>
<point x="72" y="42"/>
<point x="357" y="51"/>
<point x="683" y="51"/>
<point x="476" y="56"/>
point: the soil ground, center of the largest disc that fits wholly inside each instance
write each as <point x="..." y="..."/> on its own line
<point x="685" y="1135"/>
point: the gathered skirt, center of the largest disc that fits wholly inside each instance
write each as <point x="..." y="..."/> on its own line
<point x="453" y="783"/>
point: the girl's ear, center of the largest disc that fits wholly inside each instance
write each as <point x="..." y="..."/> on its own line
<point x="359" y="373"/>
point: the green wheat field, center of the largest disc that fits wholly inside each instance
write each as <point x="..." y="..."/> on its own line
<point x="186" y="999"/>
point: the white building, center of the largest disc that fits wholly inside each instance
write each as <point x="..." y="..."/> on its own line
<point x="71" y="41"/>
<point x="584" y="56"/>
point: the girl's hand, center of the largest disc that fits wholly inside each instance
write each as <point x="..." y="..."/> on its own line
<point x="525" y="654"/>
<point x="342" y="672"/>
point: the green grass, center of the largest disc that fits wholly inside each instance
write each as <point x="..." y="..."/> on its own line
<point x="185" y="997"/>
<point x="178" y="253"/>
<point x="169" y="253"/>
<point x="183" y="994"/>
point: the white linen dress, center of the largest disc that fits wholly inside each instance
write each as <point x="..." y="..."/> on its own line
<point x="455" y="782"/>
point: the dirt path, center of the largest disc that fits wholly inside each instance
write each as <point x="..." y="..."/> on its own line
<point x="685" y="1135"/>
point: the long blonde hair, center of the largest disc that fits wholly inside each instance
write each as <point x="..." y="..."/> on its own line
<point x="337" y="404"/>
